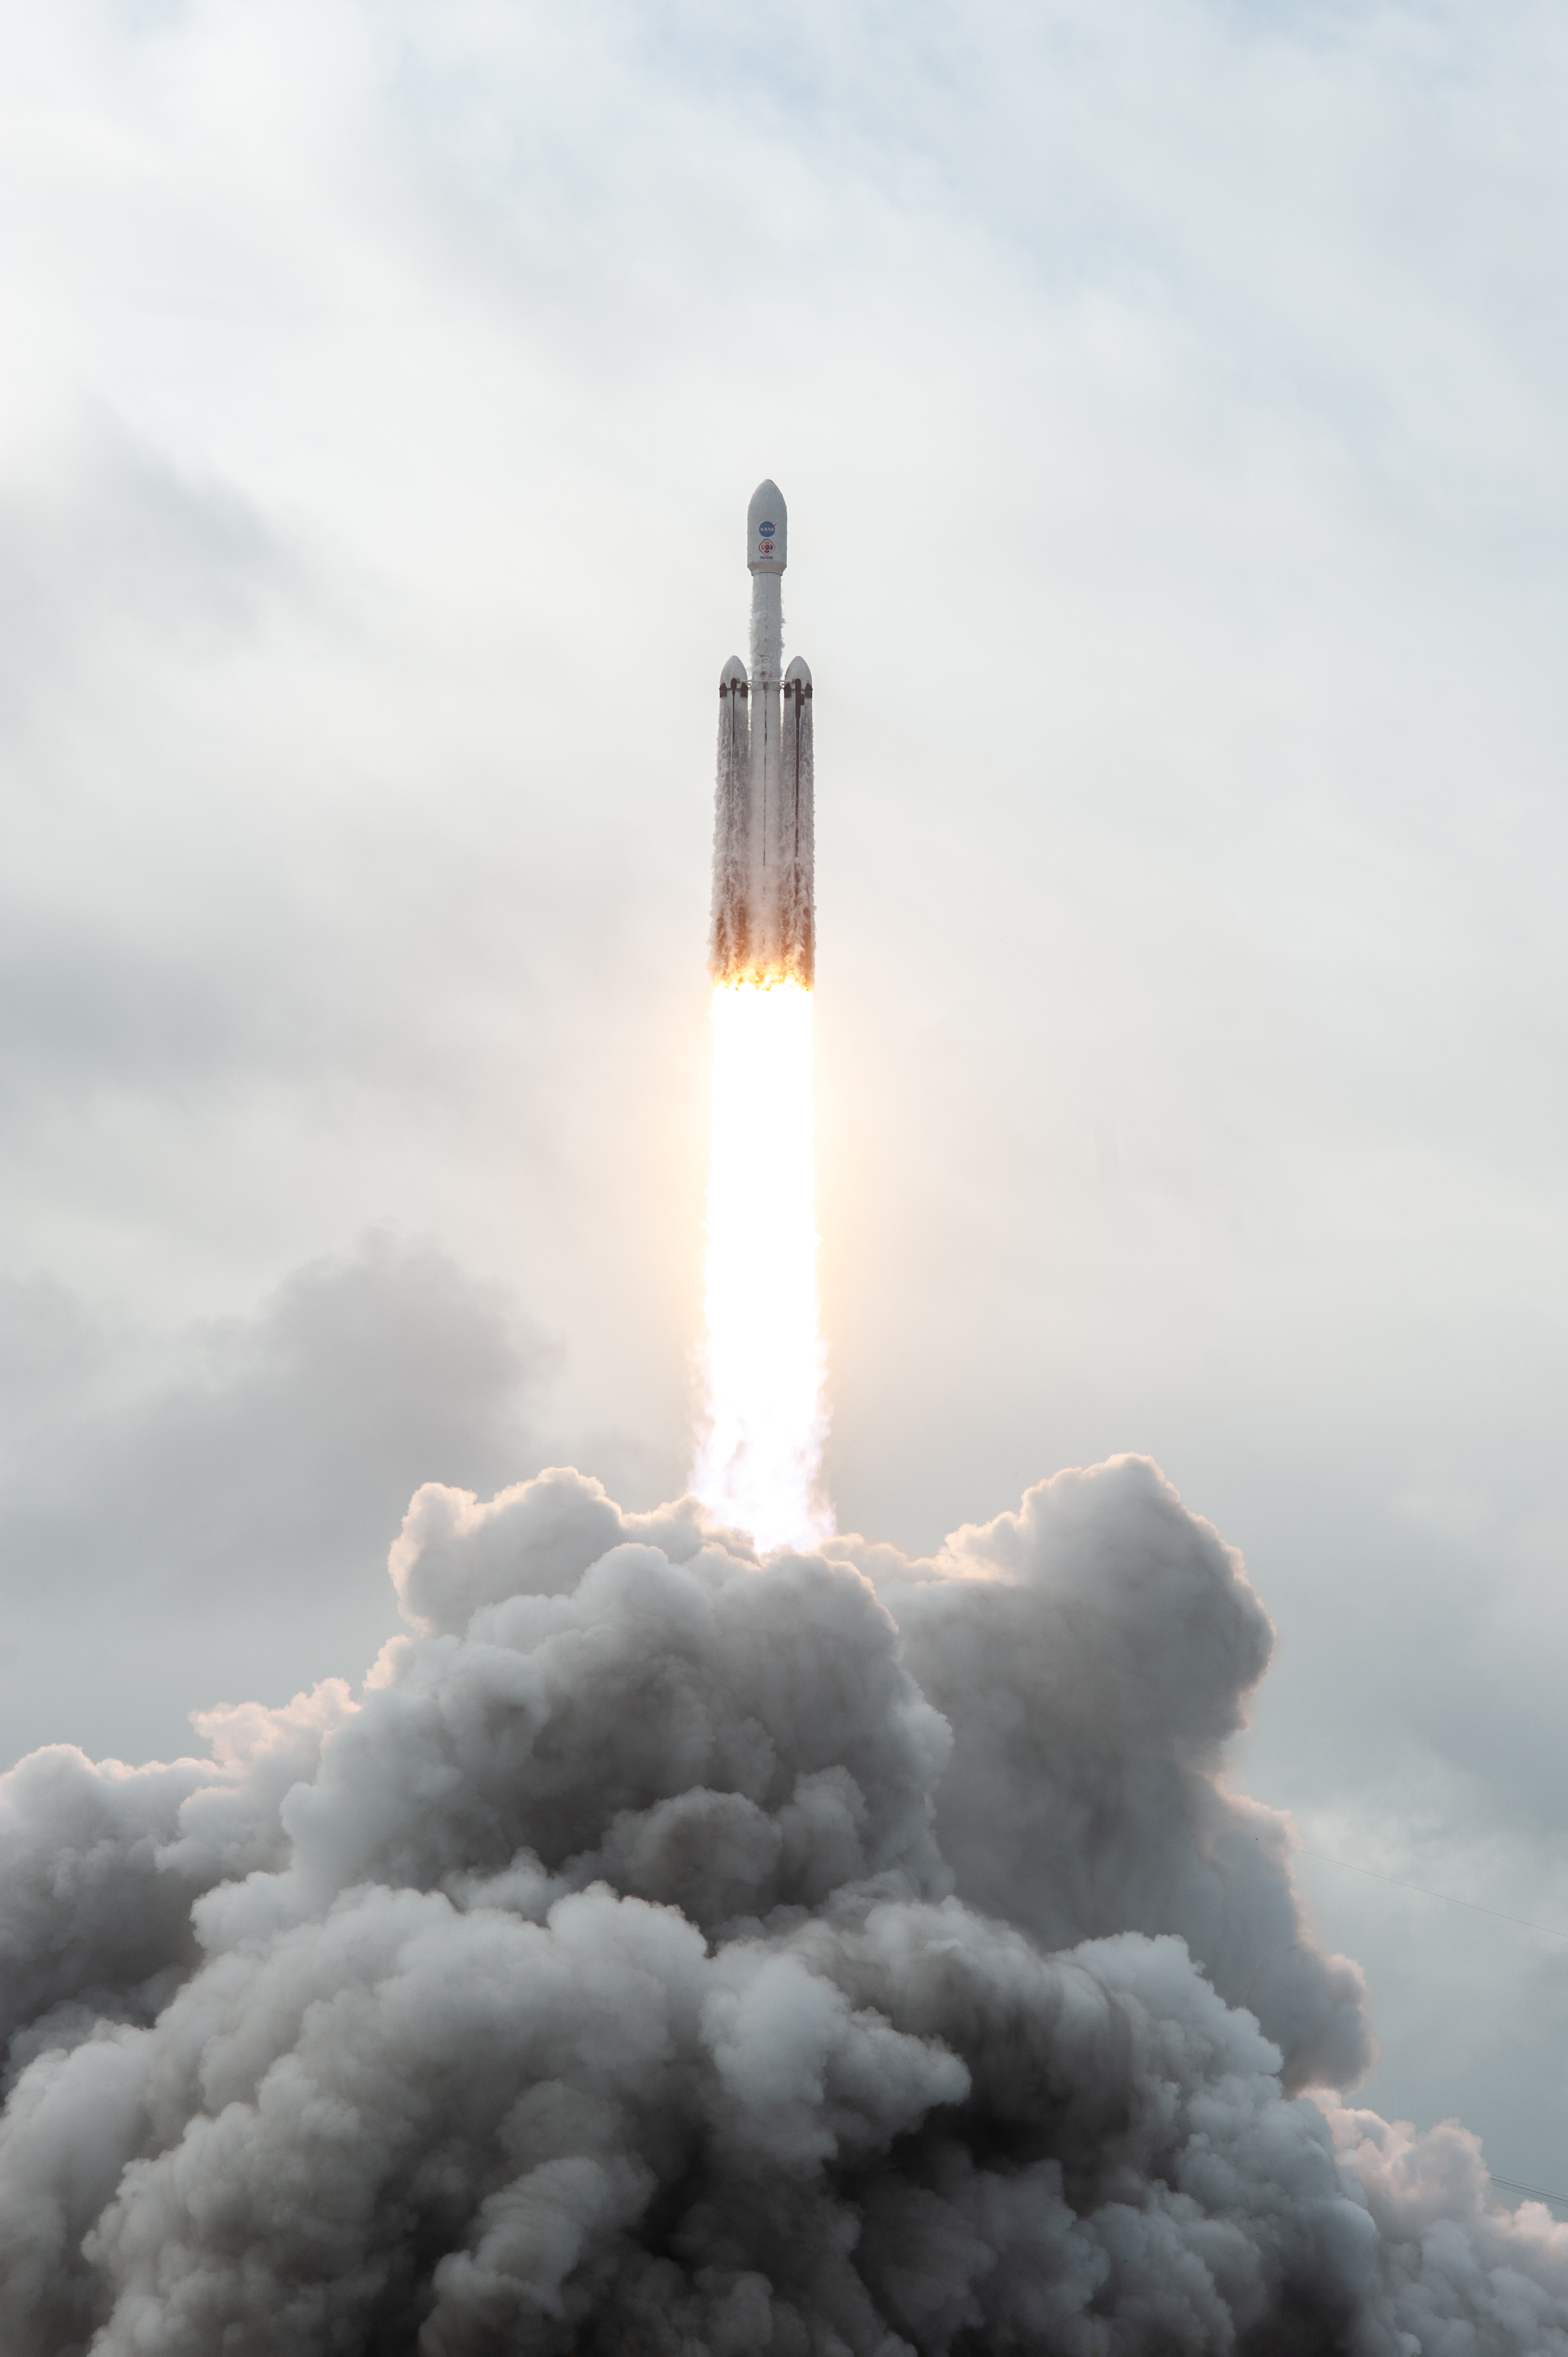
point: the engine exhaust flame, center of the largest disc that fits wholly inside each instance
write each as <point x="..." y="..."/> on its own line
<point x="759" y="1455"/>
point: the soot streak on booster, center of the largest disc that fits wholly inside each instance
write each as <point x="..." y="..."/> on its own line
<point x="764" y="910"/>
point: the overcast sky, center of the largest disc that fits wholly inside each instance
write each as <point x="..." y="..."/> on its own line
<point x="1170" y="400"/>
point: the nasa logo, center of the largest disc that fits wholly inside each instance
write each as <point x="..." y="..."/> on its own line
<point x="767" y="529"/>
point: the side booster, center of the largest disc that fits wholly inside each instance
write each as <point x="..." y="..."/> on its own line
<point x="763" y="917"/>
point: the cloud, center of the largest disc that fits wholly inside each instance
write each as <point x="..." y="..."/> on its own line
<point x="110" y="551"/>
<point x="386" y="1361"/>
<point x="648" y="1954"/>
<point x="1085" y="1793"/>
<point x="189" y="1510"/>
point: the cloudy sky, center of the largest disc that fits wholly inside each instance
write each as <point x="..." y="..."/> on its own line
<point x="1170" y="402"/>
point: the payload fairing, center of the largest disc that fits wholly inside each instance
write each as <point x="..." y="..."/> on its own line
<point x="764" y="918"/>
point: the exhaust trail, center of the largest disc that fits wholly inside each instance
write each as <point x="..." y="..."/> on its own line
<point x="672" y="1954"/>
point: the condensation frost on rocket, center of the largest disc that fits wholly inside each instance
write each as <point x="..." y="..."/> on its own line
<point x="764" y="922"/>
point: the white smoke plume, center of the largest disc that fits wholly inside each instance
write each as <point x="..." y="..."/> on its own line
<point x="676" y="1951"/>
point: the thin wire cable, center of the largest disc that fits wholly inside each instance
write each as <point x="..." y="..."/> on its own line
<point x="1510" y="2184"/>
<point x="1534" y="2190"/>
<point x="1548" y="1931"/>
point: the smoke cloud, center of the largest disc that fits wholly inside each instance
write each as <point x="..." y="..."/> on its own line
<point x="674" y="1951"/>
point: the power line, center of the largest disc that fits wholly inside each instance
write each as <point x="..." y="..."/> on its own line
<point x="1509" y="2184"/>
<point x="1547" y="1930"/>
<point x="1514" y="2187"/>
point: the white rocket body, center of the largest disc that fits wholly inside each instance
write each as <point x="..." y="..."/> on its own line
<point x="763" y="917"/>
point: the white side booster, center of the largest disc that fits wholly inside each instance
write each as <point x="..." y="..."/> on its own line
<point x="764" y="918"/>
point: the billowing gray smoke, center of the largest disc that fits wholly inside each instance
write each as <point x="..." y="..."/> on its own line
<point x="672" y="1951"/>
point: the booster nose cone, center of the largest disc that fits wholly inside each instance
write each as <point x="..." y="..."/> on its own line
<point x="767" y="529"/>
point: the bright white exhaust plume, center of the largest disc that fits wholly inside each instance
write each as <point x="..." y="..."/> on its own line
<point x="675" y="1952"/>
<point x="759" y="1458"/>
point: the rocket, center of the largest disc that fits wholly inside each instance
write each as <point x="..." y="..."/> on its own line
<point x="764" y="914"/>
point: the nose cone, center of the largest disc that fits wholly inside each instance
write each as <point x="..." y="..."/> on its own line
<point x="767" y="529"/>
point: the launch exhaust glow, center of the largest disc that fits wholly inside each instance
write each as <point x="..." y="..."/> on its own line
<point x="758" y="1461"/>
<point x="760" y="1456"/>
